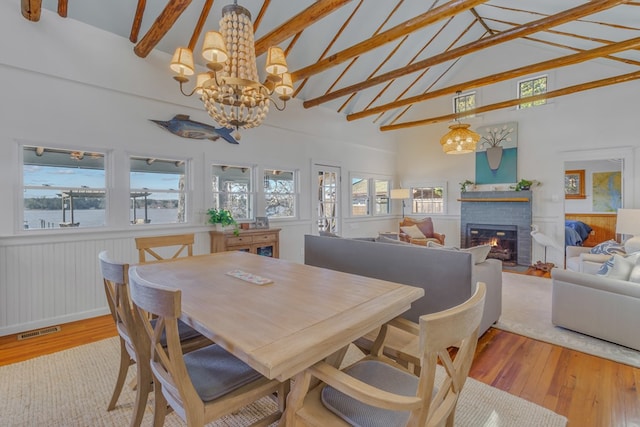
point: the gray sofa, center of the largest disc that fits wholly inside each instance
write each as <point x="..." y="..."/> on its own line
<point x="447" y="276"/>
<point x="598" y="306"/>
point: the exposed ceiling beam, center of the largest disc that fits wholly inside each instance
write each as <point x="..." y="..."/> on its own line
<point x="31" y="9"/>
<point x="263" y="10"/>
<point x="137" y="21"/>
<point x="313" y="13"/>
<point x="200" y="24"/>
<point x="162" y="24"/>
<point x="511" y="34"/>
<point x="442" y="12"/>
<point x="505" y="75"/>
<point x="62" y="8"/>
<point x="513" y="102"/>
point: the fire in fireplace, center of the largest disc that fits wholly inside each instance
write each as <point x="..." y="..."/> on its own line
<point x="502" y="238"/>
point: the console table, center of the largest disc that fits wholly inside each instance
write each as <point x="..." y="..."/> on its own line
<point x="260" y="241"/>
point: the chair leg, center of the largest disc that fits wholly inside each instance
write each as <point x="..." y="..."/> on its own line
<point x="144" y="386"/>
<point x="160" y="405"/>
<point x="125" y="362"/>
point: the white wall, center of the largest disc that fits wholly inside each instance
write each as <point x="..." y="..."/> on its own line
<point x="586" y="205"/>
<point x="573" y="127"/>
<point x="67" y="85"/>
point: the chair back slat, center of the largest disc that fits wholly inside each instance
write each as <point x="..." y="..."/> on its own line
<point x="146" y="246"/>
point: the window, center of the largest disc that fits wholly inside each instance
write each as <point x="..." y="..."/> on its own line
<point x="465" y="102"/>
<point x="280" y="193"/>
<point x="428" y="199"/>
<point x="364" y="190"/>
<point x="62" y="188"/>
<point x="531" y="87"/>
<point x="158" y="191"/>
<point x="232" y="190"/>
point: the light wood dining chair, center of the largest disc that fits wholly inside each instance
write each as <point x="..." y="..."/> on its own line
<point x="134" y="343"/>
<point x="146" y="246"/>
<point x="205" y="384"/>
<point x="377" y="392"/>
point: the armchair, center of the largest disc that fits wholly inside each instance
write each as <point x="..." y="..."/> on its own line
<point x="425" y="225"/>
<point x="581" y="260"/>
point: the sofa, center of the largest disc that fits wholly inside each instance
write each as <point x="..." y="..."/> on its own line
<point x="448" y="277"/>
<point x="597" y="305"/>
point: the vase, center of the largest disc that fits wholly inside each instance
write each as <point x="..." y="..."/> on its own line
<point x="220" y="227"/>
<point x="494" y="157"/>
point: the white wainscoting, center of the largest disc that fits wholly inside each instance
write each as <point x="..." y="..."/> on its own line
<point x="48" y="280"/>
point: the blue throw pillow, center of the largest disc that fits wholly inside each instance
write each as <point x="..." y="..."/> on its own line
<point x="610" y="247"/>
<point x="605" y="267"/>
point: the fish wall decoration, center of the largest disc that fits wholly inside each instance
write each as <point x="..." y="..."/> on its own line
<point x="182" y="126"/>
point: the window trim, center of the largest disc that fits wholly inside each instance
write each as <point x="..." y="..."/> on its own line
<point x="371" y="180"/>
<point x="431" y="184"/>
<point x="531" y="79"/>
<point x="464" y="95"/>
<point x="296" y="193"/>
<point x="252" y="195"/>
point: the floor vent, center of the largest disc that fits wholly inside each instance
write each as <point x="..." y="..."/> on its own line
<point x="38" y="333"/>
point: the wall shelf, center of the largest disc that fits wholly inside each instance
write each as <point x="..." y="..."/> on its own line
<point x="497" y="199"/>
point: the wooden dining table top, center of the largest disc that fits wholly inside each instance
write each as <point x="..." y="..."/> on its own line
<point x="302" y="316"/>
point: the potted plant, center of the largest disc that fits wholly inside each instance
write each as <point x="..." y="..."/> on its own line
<point x="222" y="219"/>
<point x="525" y="184"/>
<point x="465" y="185"/>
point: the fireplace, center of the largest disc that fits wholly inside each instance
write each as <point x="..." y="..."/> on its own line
<point x="502" y="238"/>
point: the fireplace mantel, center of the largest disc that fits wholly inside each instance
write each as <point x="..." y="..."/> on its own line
<point x="509" y="199"/>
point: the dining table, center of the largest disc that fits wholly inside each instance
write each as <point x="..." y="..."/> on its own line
<point x="278" y="316"/>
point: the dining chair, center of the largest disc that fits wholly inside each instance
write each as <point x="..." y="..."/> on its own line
<point x="134" y="343"/>
<point x="202" y="385"/>
<point x="146" y="246"/>
<point x="377" y="392"/>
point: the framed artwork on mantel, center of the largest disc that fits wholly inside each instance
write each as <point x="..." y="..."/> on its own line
<point x="574" y="184"/>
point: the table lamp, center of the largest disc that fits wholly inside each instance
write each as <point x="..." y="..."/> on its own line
<point x="628" y="222"/>
<point x="400" y="194"/>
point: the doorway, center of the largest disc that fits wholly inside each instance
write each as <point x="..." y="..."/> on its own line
<point x="327" y="189"/>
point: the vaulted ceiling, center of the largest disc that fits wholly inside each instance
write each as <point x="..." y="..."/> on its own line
<point x="376" y="59"/>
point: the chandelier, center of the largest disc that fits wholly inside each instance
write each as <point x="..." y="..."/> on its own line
<point x="231" y="91"/>
<point x="459" y="140"/>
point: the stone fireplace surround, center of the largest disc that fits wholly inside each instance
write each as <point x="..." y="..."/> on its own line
<point x="512" y="208"/>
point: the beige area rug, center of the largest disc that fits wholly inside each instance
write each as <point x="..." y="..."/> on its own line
<point x="73" y="387"/>
<point x="526" y="310"/>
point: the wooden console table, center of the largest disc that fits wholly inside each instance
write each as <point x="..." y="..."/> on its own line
<point x="260" y="241"/>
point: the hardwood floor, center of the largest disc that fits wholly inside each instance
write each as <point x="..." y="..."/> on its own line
<point x="588" y="390"/>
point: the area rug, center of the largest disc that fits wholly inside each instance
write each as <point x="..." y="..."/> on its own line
<point x="526" y="310"/>
<point x="73" y="388"/>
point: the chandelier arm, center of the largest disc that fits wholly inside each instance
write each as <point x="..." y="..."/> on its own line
<point x="275" y="104"/>
<point x="185" y="93"/>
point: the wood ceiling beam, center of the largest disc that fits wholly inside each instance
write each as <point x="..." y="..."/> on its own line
<point x="313" y="13"/>
<point x="200" y="24"/>
<point x="62" y="8"/>
<point x="137" y="21"/>
<point x="575" y="49"/>
<point x="31" y="9"/>
<point x="513" y="102"/>
<point x="505" y="75"/>
<point x="162" y="24"/>
<point x="508" y="35"/>
<point x="263" y="11"/>
<point x="432" y="16"/>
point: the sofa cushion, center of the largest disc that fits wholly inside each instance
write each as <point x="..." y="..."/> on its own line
<point x="622" y="266"/>
<point x="635" y="274"/>
<point x="478" y="253"/>
<point x="413" y="231"/>
<point x="609" y="247"/>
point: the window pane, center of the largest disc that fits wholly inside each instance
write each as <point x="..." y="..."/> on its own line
<point x="63" y="188"/>
<point x="359" y="196"/>
<point x="279" y="192"/>
<point x="158" y="191"/>
<point x="464" y="102"/>
<point x="381" y="206"/>
<point x="231" y="188"/>
<point x="427" y="200"/>
<point x="532" y="87"/>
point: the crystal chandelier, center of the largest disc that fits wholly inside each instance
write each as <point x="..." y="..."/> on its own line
<point x="459" y="140"/>
<point x="231" y="92"/>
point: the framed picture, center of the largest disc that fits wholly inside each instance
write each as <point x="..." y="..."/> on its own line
<point x="574" y="184"/>
<point x="262" y="222"/>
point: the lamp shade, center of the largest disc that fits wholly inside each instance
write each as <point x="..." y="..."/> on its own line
<point x="628" y="222"/>
<point x="213" y="48"/>
<point x="400" y="193"/>
<point x="276" y="62"/>
<point x="182" y="61"/>
<point x="459" y="140"/>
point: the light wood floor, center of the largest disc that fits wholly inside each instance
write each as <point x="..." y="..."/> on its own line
<point x="588" y="390"/>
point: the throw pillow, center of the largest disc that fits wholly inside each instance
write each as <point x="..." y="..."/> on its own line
<point x="610" y="247"/>
<point x="478" y="253"/>
<point x="413" y="232"/>
<point x="635" y="274"/>
<point x="605" y="267"/>
<point x="622" y="266"/>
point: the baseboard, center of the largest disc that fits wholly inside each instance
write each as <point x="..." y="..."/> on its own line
<point x="43" y="323"/>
